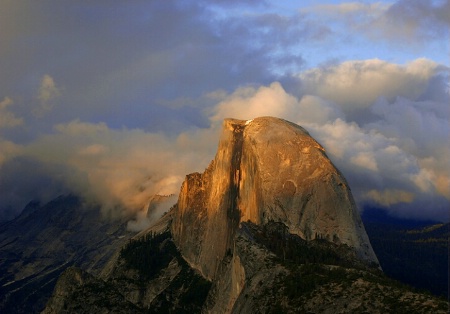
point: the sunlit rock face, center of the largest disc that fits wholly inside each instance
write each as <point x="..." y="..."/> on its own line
<point x="266" y="169"/>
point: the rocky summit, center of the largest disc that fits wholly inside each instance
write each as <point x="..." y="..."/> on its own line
<point x="269" y="227"/>
<point x="266" y="169"/>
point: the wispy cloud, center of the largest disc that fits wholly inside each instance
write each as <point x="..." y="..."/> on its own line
<point x="404" y="20"/>
<point x="7" y="118"/>
<point x="358" y="84"/>
<point x="347" y="9"/>
<point x="412" y="20"/>
<point x="47" y="95"/>
<point x="390" y="197"/>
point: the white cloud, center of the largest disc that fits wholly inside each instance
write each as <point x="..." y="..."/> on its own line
<point x="421" y="129"/>
<point x="365" y="160"/>
<point x="140" y="222"/>
<point x="78" y="128"/>
<point x="93" y="150"/>
<point x="348" y="8"/>
<point x="151" y="212"/>
<point x="249" y="102"/>
<point x="313" y="109"/>
<point x="389" y="197"/>
<point x="47" y="94"/>
<point x="122" y="167"/>
<point x="358" y="84"/>
<point x="8" y="118"/>
<point x="377" y="158"/>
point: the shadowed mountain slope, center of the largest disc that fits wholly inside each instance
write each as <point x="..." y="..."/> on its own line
<point x="44" y="240"/>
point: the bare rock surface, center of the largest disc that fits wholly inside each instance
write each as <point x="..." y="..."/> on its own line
<point x="266" y="169"/>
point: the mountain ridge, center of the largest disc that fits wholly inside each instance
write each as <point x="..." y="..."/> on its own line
<point x="38" y="245"/>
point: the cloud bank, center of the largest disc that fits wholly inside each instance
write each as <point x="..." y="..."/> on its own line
<point x="119" y="101"/>
<point x="397" y="156"/>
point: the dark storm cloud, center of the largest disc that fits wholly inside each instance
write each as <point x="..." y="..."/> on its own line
<point x="150" y="49"/>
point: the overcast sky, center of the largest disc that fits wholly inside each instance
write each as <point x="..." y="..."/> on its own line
<point x="118" y="100"/>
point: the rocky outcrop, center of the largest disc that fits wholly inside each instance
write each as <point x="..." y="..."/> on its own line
<point x="266" y="169"/>
<point x="79" y="292"/>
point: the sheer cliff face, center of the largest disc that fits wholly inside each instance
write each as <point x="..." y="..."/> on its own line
<point x="266" y="169"/>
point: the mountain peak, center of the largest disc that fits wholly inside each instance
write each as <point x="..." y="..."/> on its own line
<point x="265" y="170"/>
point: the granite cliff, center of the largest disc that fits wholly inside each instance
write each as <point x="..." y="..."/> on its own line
<point x="266" y="169"/>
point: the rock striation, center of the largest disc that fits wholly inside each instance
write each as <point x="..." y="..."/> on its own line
<point x="266" y="169"/>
